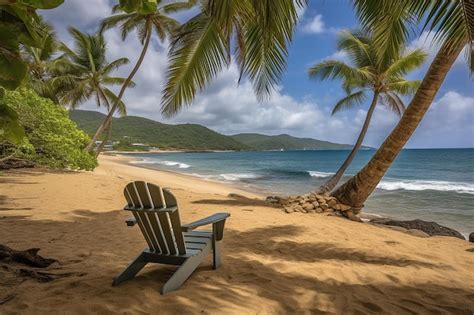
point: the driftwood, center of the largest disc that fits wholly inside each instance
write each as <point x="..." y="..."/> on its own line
<point x="27" y="257"/>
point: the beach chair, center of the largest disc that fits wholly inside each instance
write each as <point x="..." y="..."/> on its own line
<point x="156" y="212"/>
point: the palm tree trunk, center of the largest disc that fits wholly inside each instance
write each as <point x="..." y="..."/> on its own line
<point x="106" y="138"/>
<point x="356" y="190"/>
<point x="332" y="182"/>
<point x="122" y="92"/>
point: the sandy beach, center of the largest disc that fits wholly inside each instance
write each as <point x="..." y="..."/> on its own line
<point x="273" y="262"/>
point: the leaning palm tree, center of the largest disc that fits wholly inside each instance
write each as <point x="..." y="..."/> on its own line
<point x="453" y="24"/>
<point x="260" y="32"/>
<point x="88" y="73"/>
<point x="145" y="22"/>
<point x="382" y="78"/>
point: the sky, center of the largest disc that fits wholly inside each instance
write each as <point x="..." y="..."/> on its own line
<point x="300" y="106"/>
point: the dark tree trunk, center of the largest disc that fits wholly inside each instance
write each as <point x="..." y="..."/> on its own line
<point x="332" y="182"/>
<point x="356" y="190"/>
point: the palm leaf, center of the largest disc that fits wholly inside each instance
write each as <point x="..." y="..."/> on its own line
<point x="197" y="55"/>
<point x="350" y="101"/>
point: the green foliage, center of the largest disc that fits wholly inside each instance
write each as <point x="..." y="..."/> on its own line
<point x="52" y="139"/>
<point x="137" y="129"/>
<point x="140" y="6"/>
<point x="18" y="26"/>
<point x="260" y="31"/>
<point x="369" y="72"/>
<point x="286" y="142"/>
<point x="86" y="73"/>
<point x="126" y="145"/>
<point x="10" y="128"/>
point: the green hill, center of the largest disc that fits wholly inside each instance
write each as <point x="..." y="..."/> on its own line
<point x="137" y="129"/>
<point x="286" y="142"/>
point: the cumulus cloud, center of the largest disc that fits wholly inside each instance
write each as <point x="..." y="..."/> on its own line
<point x="315" y="25"/>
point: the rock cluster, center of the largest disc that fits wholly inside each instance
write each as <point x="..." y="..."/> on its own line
<point x="313" y="203"/>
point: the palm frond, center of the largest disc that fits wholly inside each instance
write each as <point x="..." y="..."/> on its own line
<point x="197" y="55"/>
<point x="114" y="65"/>
<point x="121" y="107"/>
<point x="404" y="87"/>
<point x="351" y="100"/>
<point x="335" y="69"/>
<point x="393" y="102"/>
<point x="406" y="63"/>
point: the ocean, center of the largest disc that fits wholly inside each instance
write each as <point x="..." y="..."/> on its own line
<point x="428" y="184"/>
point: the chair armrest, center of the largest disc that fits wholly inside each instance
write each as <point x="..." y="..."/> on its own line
<point x="131" y="222"/>
<point x="215" y="218"/>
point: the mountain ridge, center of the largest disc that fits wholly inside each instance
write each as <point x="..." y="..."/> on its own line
<point x="193" y="137"/>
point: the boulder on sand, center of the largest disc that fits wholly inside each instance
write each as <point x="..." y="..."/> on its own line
<point x="430" y="228"/>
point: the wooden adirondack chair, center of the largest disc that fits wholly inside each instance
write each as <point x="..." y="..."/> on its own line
<point x="156" y="212"/>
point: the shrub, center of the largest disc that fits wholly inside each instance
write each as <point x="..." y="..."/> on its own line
<point x="52" y="139"/>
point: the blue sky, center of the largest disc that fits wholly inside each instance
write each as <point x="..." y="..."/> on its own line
<point x="300" y="106"/>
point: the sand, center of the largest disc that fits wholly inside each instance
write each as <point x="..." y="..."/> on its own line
<point x="272" y="262"/>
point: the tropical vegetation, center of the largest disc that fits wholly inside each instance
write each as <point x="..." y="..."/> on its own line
<point x="146" y="18"/>
<point x="383" y="78"/>
<point x="87" y="74"/>
<point x="51" y="138"/>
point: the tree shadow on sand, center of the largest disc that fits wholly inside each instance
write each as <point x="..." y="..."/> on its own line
<point x="251" y="278"/>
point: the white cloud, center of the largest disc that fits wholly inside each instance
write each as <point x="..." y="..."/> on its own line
<point x="315" y="25"/>
<point x="448" y="123"/>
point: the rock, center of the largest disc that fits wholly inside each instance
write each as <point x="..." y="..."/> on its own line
<point x="344" y="207"/>
<point x="329" y="210"/>
<point x="323" y="206"/>
<point x="471" y="237"/>
<point x="319" y="210"/>
<point x="418" y="233"/>
<point x="352" y="216"/>
<point x="273" y="199"/>
<point x="337" y="207"/>
<point x="396" y="228"/>
<point x="430" y="228"/>
<point x="298" y="208"/>
<point x="315" y="204"/>
<point x="308" y="206"/>
<point x="289" y="210"/>
<point x="312" y="211"/>
<point x="332" y="202"/>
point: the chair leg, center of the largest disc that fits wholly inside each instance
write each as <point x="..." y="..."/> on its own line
<point x="184" y="271"/>
<point x="131" y="270"/>
<point x="216" y="253"/>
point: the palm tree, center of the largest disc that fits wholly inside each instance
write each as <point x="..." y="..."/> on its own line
<point x="145" y="23"/>
<point x="40" y="61"/>
<point x="260" y="32"/>
<point x="88" y="74"/>
<point x="383" y="78"/>
<point x="389" y="20"/>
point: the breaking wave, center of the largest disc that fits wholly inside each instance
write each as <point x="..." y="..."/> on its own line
<point x="417" y="185"/>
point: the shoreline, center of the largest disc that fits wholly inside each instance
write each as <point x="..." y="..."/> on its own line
<point x="366" y="216"/>
<point x="272" y="262"/>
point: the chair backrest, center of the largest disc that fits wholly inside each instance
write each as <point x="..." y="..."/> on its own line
<point x="157" y="215"/>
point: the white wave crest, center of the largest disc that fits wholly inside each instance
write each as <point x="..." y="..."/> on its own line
<point x="228" y="176"/>
<point x="167" y="163"/>
<point x="319" y="174"/>
<point x="417" y="185"/>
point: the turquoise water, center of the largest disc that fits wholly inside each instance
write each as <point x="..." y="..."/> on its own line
<point x="430" y="184"/>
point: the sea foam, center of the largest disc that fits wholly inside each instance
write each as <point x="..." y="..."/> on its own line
<point x="167" y="163"/>
<point x="417" y="185"/>
<point x="319" y="174"/>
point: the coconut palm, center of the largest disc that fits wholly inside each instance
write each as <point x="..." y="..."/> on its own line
<point x="390" y="21"/>
<point x="368" y="74"/>
<point x="258" y="30"/>
<point x="145" y="22"/>
<point x="88" y="74"/>
<point x="40" y="61"/>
